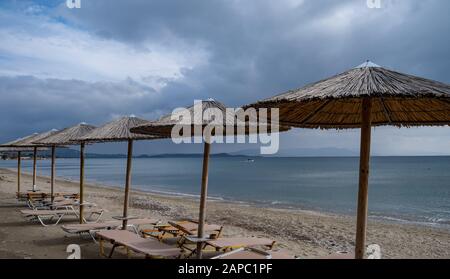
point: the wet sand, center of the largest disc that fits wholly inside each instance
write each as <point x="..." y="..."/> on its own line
<point x="305" y="234"/>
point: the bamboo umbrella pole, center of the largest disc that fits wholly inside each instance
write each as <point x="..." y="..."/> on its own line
<point x="127" y="185"/>
<point x="81" y="181"/>
<point x="361" y="221"/>
<point x="52" y="180"/>
<point x="203" y="195"/>
<point x="19" y="162"/>
<point x="34" y="167"/>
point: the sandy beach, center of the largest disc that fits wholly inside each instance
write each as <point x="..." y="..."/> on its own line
<point x="305" y="234"/>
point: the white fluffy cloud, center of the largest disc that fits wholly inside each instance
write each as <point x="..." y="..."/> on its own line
<point x="45" y="48"/>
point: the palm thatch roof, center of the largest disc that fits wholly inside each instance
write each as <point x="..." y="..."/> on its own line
<point x="397" y="99"/>
<point x="117" y="130"/>
<point x="200" y="115"/>
<point x="28" y="141"/>
<point x="68" y="135"/>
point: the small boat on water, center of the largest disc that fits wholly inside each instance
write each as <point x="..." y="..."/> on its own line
<point x="250" y="161"/>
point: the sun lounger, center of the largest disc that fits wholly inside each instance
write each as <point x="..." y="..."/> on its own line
<point x="151" y="248"/>
<point x="59" y="203"/>
<point x="40" y="194"/>
<point x="227" y="244"/>
<point x="91" y="228"/>
<point x="48" y="217"/>
<point x="23" y="196"/>
<point x="190" y="228"/>
<point x="250" y="253"/>
<point x="179" y="228"/>
<point x="40" y="199"/>
<point x="31" y="196"/>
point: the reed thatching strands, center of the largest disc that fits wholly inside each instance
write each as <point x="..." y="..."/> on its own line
<point x="17" y="143"/>
<point x="19" y="156"/>
<point x="67" y="136"/>
<point x="28" y="142"/>
<point x="19" y="151"/>
<point x="117" y="131"/>
<point x="201" y="115"/>
<point x="197" y="118"/>
<point x="365" y="96"/>
<point x="336" y="103"/>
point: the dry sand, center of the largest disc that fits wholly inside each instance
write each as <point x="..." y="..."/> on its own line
<point x="304" y="233"/>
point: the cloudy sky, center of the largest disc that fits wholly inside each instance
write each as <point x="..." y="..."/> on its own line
<point x="61" y="66"/>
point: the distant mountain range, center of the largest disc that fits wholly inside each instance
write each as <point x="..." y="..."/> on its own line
<point x="303" y="152"/>
<point x="72" y="153"/>
<point x="294" y="152"/>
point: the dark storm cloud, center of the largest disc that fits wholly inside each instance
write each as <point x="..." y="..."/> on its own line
<point x="29" y="104"/>
<point x="256" y="49"/>
<point x="259" y="48"/>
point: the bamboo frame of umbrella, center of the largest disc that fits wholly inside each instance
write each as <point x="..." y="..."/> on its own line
<point x="366" y="96"/>
<point x="119" y="131"/>
<point x="63" y="138"/>
<point x="27" y="142"/>
<point x="201" y="115"/>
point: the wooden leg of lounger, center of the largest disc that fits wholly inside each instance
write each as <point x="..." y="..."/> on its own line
<point x="112" y="251"/>
<point x="102" y="250"/>
<point x="272" y="245"/>
<point x="128" y="252"/>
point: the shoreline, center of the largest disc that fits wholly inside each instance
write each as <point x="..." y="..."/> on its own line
<point x="304" y="233"/>
<point x="389" y="219"/>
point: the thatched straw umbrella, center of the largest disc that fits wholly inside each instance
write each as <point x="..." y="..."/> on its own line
<point x="19" y="151"/>
<point x="29" y="142"/>
<point x="201" y="115"/>
<point x="117" y="131"/>
<point x="67" y="136"/>
<point x="365" y="96"/>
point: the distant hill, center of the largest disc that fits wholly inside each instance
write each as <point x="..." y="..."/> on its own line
<point x="72" y="153"/>
<point x="303" y="152"/>
<point x="191" y="155"/>
<point x="293" y="152"/>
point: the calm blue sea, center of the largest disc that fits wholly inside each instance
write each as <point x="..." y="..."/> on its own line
<point x="402" y="189"/>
